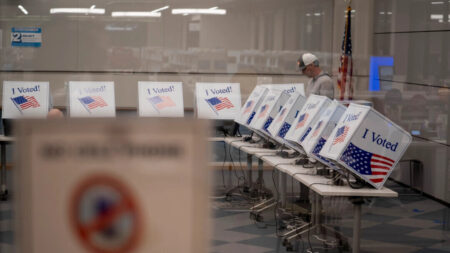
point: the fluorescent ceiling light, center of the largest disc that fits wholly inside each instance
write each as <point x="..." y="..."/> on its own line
<point x="23" y="9"/>
<point x="437" y="2"/>
<point x="154" y="14"/>
<point x="135" y="14"/>
<point x="381" y="12"/>
<point x="210" y="11"/>
<point x="317" y="14"/>
<point x="77" y="11"/>
<point x="436" y="16"/>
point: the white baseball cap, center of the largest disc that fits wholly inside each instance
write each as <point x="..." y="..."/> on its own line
<point x="306" y="59"/>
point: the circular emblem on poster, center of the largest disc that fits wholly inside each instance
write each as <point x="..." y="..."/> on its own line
<point x="105" y="215"/>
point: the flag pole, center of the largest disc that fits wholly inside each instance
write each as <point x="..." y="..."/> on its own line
<point x="87" y="109"/>
<point x="14" y="102"/>
<point x="214" y="109"/>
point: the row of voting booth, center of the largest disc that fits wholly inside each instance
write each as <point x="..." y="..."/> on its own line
<point x="97" y="99"/>
<point x="357" y="138"/>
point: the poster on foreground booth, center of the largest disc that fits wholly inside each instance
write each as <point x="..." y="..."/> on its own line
<point x="103" y="185"/>
<point x="218" y="100"/>
<point x="25" y="99"/>
<point x="160" y="99"/>
<point x="91" y="99"/>
<point x="367" y="143"/>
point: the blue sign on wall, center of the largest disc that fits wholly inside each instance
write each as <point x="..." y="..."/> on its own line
<point x="377" y="62"/>
<point x="26" y="37"/>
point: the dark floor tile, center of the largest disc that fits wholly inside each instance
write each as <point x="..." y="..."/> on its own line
<point x="439" y="216"/>
<point x="395" y="234"/>
<point x="6" y="237"/>
<point x="215" y="243"/>
<point x="254" y="229"/>
<point x="428" y="250"/>
<point x="378" y="217"/>
<point x="5" y="215"/>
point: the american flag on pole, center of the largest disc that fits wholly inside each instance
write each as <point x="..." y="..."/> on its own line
<point x="302" y="120"/>
<point x="340" y="135"/>
<point x="248" y="107"/>
<point x="372" y="166"/>
<point x="92" y="102"/>
<point x="161" y="102"/>
<point x="25" y="102"/>
<point x="346" y="67"/>
<point x="281" y="116"/>
<point x="219" y="103"/>
<point x="316" y="131"/>
<point x="263" y="111"/>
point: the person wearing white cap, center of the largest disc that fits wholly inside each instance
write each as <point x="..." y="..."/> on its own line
<point x="321" y="82"/>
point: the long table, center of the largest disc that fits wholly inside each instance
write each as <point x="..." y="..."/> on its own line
<point x="320" y="185"/>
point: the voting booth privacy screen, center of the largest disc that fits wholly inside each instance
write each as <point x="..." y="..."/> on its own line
<point x="283" y="121"/>
<point x="367" y="143"/>
<point x="103" y="185"/>
<point x="160" y="99"/>
<point x="268" y="109"/>
<point x="218" y="100"/>
<point x="288" y="87"/>
<point x="250" y="106"/>
<point x="307" y="117"/>
<point x="321" y="131"/>
<point x="25" y="99"/>
<point x="91" y="99"/>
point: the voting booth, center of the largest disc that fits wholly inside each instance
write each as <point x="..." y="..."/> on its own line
<point x="160" y="99"/>
<point x="283" y="121"/>
<point x="315" y="105"/>
<point x="91" y="99"/>
<point x="103" y="185"/>
<point x="218" y="100"/>
<point x="25" y="99"/>
<point x="272" y="104"/>
<point x="253" y="102"/>
<point x="367" y="144"/>
<point x="288" y="87"/>
<point x="321" y="131"/>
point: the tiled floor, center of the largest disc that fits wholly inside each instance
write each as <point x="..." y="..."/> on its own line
<point x="411" y="223"/>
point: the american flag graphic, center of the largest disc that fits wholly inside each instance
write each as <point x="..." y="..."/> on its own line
<point x="340" y="135"/>
<point x="346" y="67"/>
<point x="317" y="129"/>
<point x="372" y="166"/>
<point x="267" y="124"/>
<point x="248" y="107"/>
<point x="25" y="102"/>
<point x="284" y="129"/>
<point x="161" y="102"/>
<point x="263" y="111"/>
<point x="281" y="116"/>
<point x="92" y="102"/>
<point x="306" y="134"/>
<point x="219" y="103"/>
<point x="317" y="150"/>
<point x="302" y="120"/>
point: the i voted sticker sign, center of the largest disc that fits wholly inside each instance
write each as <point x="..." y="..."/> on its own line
<point x="25" y="99"/>
<point x="160" y="99"/>
<point x="26" y="37"/>
<point x="92" y="99"/>
<point x="218" y="100"/>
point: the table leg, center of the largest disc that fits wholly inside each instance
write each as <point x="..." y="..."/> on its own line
<point x="4" y="192"/>
<point x="249" y="171"/>
<point x="282" y="184"/>
<point x="260" y="174"/>
<point x="356" y="225"/>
